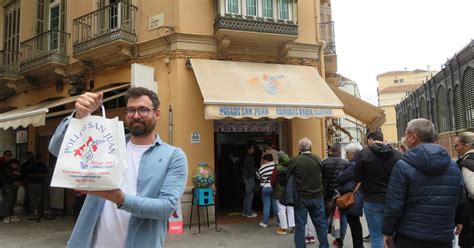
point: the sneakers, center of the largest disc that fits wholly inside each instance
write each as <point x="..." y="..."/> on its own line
<point x="253" y="215"/>
<point x="6" y="220"/>
<point x="263" y="225"/>
<point x="14" y="219"/>
<point x="310" y="239"/>
<point x="367" y="238"/>
<point x="281" y="231"/>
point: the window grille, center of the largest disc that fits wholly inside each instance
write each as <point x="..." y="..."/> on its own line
<point x="442" y="110"/>
<point x="451" y="115"/>
<point x="459" y="107"/>
<point x="423" y="108"/>
<point x="468" y="92"/>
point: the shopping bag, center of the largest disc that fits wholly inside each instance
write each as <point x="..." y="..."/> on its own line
<point x="92" y="155"/>
<point x="175" y="222"/>
<point x="336" y="224"/>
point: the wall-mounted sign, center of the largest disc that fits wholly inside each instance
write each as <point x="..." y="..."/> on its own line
<point x="21" y="137"/>
<point x="195" y="138"/>
<point x="156" y="21"/>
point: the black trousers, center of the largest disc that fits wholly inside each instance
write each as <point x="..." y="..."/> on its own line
<point x="407" y="242"/>
<point x="356" y="231"/>
<point x="466" y="238"/>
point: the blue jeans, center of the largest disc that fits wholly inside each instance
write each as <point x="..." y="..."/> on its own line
<point x="268" y="204"/>
<point x="374" y="216"/>
<point x="249" y="184"/>
<point x="315" y="207"/>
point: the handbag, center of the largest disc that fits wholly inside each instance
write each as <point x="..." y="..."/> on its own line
<point x="347" y="200"/>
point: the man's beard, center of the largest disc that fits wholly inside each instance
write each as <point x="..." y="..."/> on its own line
<point x="139" y="128"/>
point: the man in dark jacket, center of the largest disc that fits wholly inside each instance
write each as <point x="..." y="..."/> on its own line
<point x="306" y="169"/>
<point x="332" y="166"/>
<point x="424" y="190"/>
<point x="373" y="168"/>
<point x="248" y="175"/>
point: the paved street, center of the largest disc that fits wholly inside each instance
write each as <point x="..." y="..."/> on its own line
<point x="54" y="234"/>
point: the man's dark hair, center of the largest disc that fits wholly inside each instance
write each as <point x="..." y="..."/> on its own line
<point x="7" y="151"/>
<point x="135" y="92"/>
<point x="268" y="157"/>
<point x="335" y="150"/>
<point x="375" y="135"/>
<point x="268" y="142"/>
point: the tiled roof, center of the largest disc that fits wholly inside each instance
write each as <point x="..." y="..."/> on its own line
<point x="400" y="88"/>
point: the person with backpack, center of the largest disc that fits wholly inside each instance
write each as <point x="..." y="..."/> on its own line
<point x="285" y="213"/>
<point x="264" y="175"/>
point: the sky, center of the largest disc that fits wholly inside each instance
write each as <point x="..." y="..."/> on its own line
<point x="377" y="36"/>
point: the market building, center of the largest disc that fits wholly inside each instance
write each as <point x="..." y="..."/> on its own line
<point x="446" y="99"/>
<point x="227" y="72"/>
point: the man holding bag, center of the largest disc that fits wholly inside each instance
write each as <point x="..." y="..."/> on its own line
<point x="136" y="214"/>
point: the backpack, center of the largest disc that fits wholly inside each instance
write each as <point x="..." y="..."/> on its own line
<point x="274" y="177"/>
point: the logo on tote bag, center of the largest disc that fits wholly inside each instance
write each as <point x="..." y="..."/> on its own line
<point x="86" y="150"/>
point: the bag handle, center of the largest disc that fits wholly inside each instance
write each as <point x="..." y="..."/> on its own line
<point x="356" y="188"/>
<point x="101" y="106"/>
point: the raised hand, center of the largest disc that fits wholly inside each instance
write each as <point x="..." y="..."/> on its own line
<point x="88" y="103"/>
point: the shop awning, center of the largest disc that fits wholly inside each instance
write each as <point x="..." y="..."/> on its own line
<point x="36" y="115"/>
<point x="361" y="110"/>
<point x="255" y="90"/>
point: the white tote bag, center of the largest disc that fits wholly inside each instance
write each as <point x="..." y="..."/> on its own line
<point x="92" y="155"/>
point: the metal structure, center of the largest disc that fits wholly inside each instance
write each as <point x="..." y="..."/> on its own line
<point x="327" y="34"/>
<point x="446" y="99"/>
<point x="107" y="24"/>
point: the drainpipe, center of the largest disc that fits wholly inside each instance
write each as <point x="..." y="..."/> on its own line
<point x="170" y="125"/>
<point x="322" y="70"/>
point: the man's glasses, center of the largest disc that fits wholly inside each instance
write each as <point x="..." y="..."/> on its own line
<point x="142" y="111"/>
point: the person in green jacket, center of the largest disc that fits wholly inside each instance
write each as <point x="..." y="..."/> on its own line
<point x="285" y="213"/>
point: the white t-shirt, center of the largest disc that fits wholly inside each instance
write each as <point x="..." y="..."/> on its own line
<point x="112" y="228"/>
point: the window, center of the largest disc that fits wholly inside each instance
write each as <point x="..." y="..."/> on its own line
<point x="395" y="81"/>
<point x="283" y="10"/>
<point x="267" y="8"/>
<point x="11" y="32"/>
<point x="232" y="6"/>
<point x="401" y="80"/>
<point x="252" y="7"/>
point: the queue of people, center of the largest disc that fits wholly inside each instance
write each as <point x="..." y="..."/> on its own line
<point x="28" y="175"/>
<point x="418" y="198"/>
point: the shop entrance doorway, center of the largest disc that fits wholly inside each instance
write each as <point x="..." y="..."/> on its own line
<point x="231" y="140"/>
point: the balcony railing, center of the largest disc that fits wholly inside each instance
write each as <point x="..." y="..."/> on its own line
<point x="44" y="48"/>
<point x="255" y="24"/>
<point x="112" y="22"/>
<point x="327" y="35"/>
<point x="9" y="63"/>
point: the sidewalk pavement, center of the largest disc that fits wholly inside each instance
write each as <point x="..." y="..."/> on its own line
<point x="55" y="233"/>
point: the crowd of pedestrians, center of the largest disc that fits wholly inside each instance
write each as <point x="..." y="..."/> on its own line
<point x="413" y="197"/>
<point x="29" y="176"/>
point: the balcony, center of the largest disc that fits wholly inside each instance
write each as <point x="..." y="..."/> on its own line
<point x="44" y="54"/>
<point x="106" y="36"/>
<point x="9" y="64"/>
<point x="327" y="35"/>
<point x="263" y="30"/>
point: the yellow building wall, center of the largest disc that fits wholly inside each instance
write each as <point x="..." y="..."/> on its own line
<point x="389" y="128"/>
<point x="311" y="128"/>
<point x="306" y="22"/>
<point x="188" y="110"/>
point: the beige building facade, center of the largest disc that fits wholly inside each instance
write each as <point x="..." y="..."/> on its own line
<point x="59" y="49"/>
<point x="393" y="87"/>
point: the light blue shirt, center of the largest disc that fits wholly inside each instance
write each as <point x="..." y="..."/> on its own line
<point x="160" y="184"/>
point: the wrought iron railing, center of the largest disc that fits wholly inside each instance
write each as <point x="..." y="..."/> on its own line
<point x="326" y="30"/>
<point x="255" y="24"/>
<point x="112" y="22"/>
<point x="50" y="46"/>
<point x="9" y="61"/>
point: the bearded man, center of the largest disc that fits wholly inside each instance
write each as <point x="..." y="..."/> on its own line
<point x="136" y="214"/>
